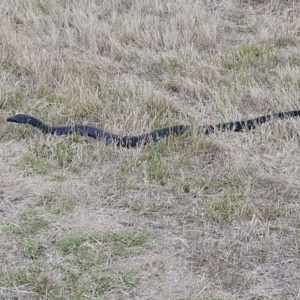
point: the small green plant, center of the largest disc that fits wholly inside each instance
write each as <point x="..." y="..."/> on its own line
<point x="156" y="168"/>
<point x="145" y="207"/>
<point x="124" y="243"/>
<point x="12" y="100"/>
<point x="10" y="65"/>
<point x="71" y="243"/>
<point x="123" y="181"/>
<point x="272" y="212"/>
<point x="58" y="177"/>
<point x="31" y="162"/>
<point x="245" y="57"/>
<point x="54" y="99"/>
<point x="31" y="223"/>
<point x="186" y="187"/>
<point x="224" y="209"/>
<point x="113" y="279"/>
<point x="40" y="158"/>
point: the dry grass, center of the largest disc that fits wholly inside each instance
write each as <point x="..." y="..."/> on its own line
<point x="191" y="217"/>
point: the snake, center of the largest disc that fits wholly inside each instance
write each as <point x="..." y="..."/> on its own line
<point x="131" y="141"/>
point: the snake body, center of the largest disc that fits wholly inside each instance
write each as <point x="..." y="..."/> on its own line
<point x="130" y="141"/>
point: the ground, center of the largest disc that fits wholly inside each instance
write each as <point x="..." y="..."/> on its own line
<point x="195" y="216"/>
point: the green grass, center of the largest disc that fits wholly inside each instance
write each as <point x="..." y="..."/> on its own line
<point x="12" y="99"/>
<point x="244" y="57"/>
<point x="86" y="265"/>
<point x="225" y="209"/>
<point x="44" y="159"/>
<point x="31" y="224"/>
<point x="122" y="242"/>
<point x="157" y="169"/>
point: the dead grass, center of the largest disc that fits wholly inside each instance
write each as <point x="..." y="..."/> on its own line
<point x="191" y="217"/>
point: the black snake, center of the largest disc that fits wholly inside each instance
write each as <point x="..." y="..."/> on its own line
<point x="136" y="140"/>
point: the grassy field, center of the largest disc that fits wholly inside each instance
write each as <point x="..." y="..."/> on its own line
<point x="190" y="217"/>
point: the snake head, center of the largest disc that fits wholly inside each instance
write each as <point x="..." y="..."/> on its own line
<point x="19" y="118"/>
